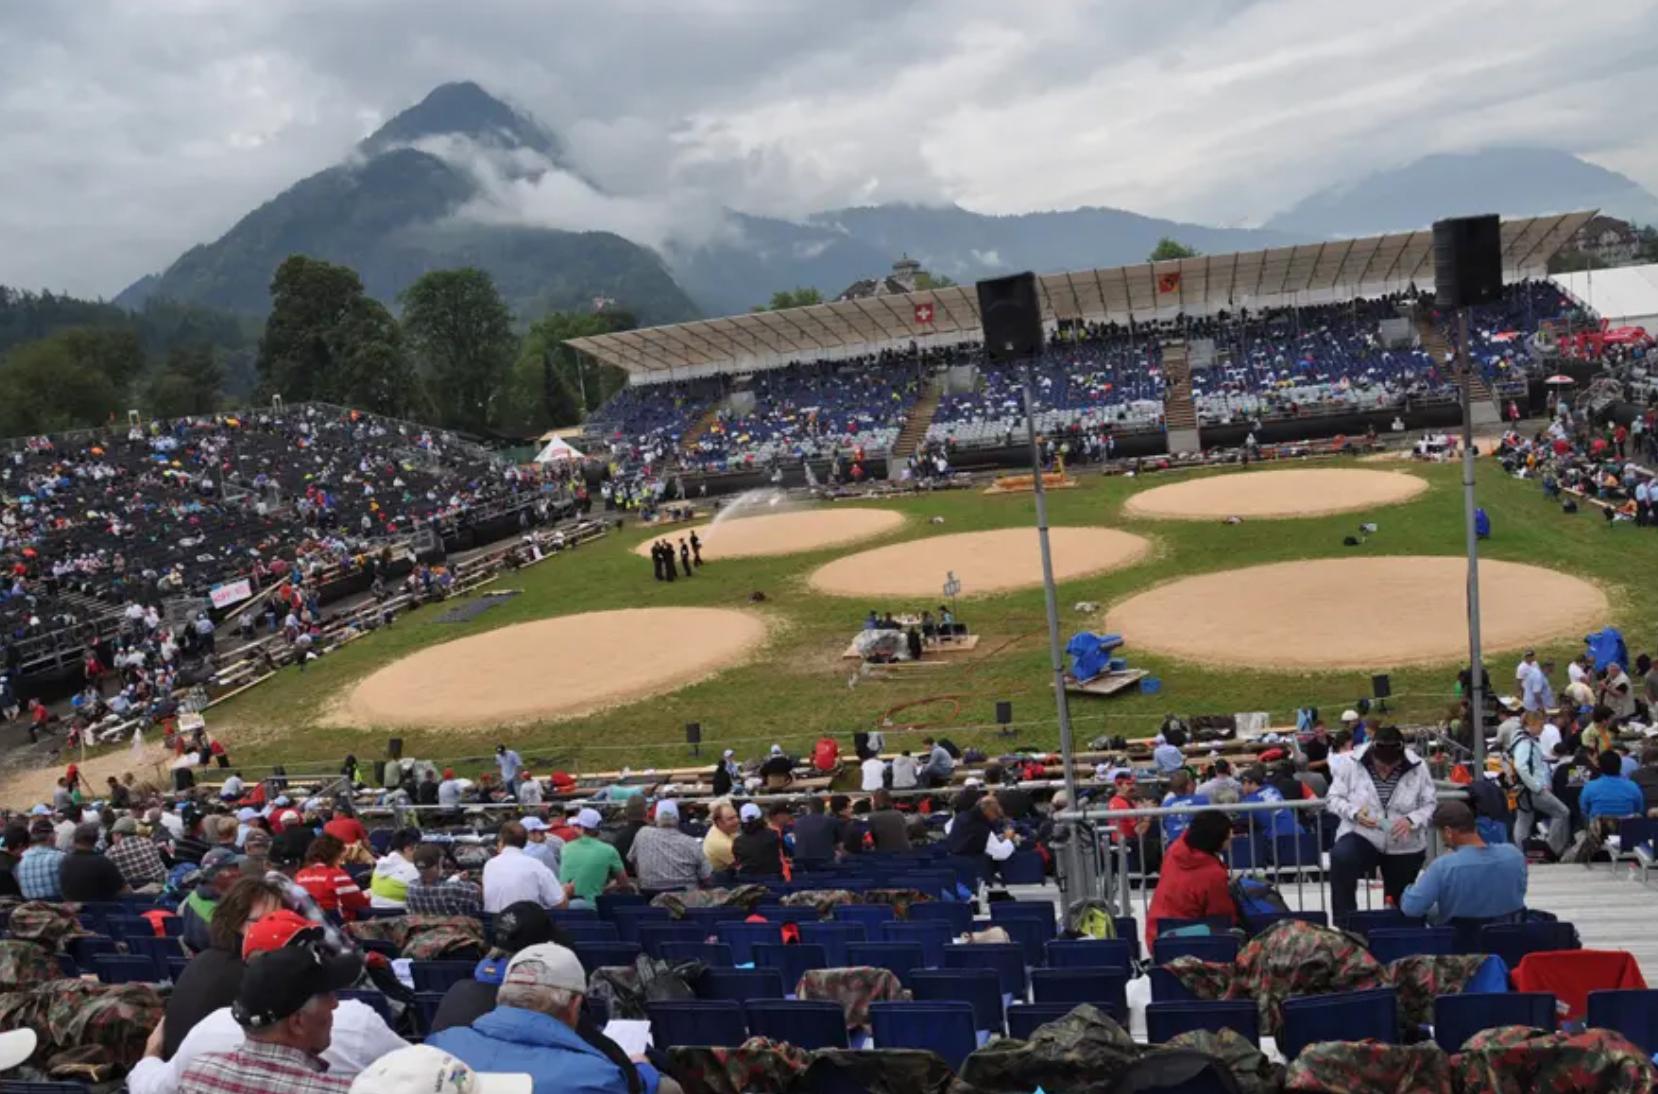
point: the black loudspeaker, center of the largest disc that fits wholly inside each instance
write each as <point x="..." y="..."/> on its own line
<point x="394" y="748"/>
<point x="1011" y="316"/>
<point x="1004" y="712"/>
<point x="1382" y="686"/>
<point x="693" y="733"/>
<point x="1468" y="261"/>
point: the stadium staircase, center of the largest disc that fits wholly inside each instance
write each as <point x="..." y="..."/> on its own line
<point x="700" y="426"/>
<point x="1179" y="411"/>
<point x="918" y="421"/>
<point x="1485" y="408"/>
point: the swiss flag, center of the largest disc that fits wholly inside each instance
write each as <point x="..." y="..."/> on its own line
<point x="924" y="314"/>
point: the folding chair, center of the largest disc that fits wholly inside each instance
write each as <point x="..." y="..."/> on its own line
<point x="715" y="955"/>
<point x="940" y="1027"/>
<point x="1391" y="943"/>
<point x="740" y="985"/>
<point x="1219" y="948"/>
<point x="652" y="935"/>
<point x="900" y="958"/>
<point x="1165" y="1021"/>
<point x="716" y="1022"/>
<point x="375" y="999"/>
<point x="1104" y="987"/>
<point x="958" y="914"/>
<point x="1513" y="941"/>
<point x="808" y="1024"/>
<point x="980" y="987"/>
<point x="791" y="961"/>
<point x="1007" y="958"/>
<point x="1024" y="1018"/>
<point x="1070" y="953"/>
<point x="1632" y="1012"/>
<point x="932" y="936"/>
<point x="834" y="938"/>
<point x="1343" y="1016"/>
<point x="1458" y="1017"/>
<point x="113" y="968"/>
<point x="870" y="915"/>
<point x="438" y="975"/>
<point x="594" y="955"/>
<point x="742" y="937"/>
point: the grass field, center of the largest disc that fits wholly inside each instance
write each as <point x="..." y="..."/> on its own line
<point x="798" y="690"/>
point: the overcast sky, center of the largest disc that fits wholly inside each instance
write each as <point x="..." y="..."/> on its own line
<point x="131" y="131"/>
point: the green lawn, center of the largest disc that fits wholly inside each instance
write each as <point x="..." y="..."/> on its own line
<point x="798" y="690"/>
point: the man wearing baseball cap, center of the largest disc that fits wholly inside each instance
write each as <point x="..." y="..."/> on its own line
<point x="533" y="1029"/>
<point x="422" y="1069"/>
<point x="358" y="1036"/>
<point x="590" y="864"/>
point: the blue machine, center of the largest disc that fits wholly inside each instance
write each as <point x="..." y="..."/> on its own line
<point x="1090" y="654"/>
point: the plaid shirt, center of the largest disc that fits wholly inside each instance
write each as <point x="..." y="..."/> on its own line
<point x="138" y="860"/>
<point x="37" y="873"/>
<point x="445" y="898"/>
<point x="667" y="858"/>
<point x="257" y="1068"/>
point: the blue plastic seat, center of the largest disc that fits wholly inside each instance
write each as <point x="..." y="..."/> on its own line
<point x="1033" y="909"/>
<point x="1343" y="1016"/>
<point x="709" y="918"/>
<point x="1363" y="922"/>
<point x="1458" y="1017"/>
<point x="594" y="955"/>
<point x="740" y="985"/>
<point x="742" y="937"/>
<point x="697" y="1022"/>
<point x="1217" y="924"/>
<point x="901" y="958"/>
<point x="1024" y="868"/>
<point x="1129" y="927"/>
<point x="834" y="938"/>
<point x="1106" y="988"/>
<point x="780" y="913"/>
<point x="564" y="916"/>
<point x="1391" y="943"/>
<point x="595" y="930"/>
<point x="1299" y="853"/>
<point x="438" y="975"/>
<point x="939" y="1027"/>
<point x="1166" y="986"/>
<point x="1029" y="934"/>
<point x="980" y="987"/>
<point x="1513" y="941"/>
<point x="938" y="884"/>
<point x="957" y="914"/>
<point x="159" y="951"/>
<point x="86" y="948"/>
<point x="1167" y="1020"/>
<point x="1023" y="1018"/>
<point x="1220" y="948"/>
<point x="628" y="917"/>
<point x="1069" y="953"/>
<point x="375" y="999"/>
<point x="1007" y="958"/>
<point x="652" y="935"/>
<point x="129" y="926"/>
<point x="1255" y="924"/>
<point x="870" y="915"/>
<point x="716" y="955"/>
<point x="791" y="961"/>
<point x="1633" y="1013"/>
<point x="606" y="904"/>
<point x="115" y="968"/>
<point x="932" y="936"/>
<point x="808" y="1024"/>
<point x="426" y="1004"/>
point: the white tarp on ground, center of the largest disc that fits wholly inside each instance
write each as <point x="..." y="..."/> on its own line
<point x="1626" y="296"/>
<point x="557" y="449"/>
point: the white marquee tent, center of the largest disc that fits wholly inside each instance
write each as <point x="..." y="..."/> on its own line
<point x="1626" y="296"/>
<point x="558" y="450"/>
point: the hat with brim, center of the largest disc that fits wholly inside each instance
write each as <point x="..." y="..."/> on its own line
<point x="425" y="1069"/>
<point x="278" y="983"/>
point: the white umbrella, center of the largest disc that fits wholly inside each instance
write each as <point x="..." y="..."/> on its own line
<point x="1559" y="379"/>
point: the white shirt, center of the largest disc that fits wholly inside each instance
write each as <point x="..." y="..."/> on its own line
<point x="512" y="876"/>
<point x="999" y="849"/>
<point x="529" y="792"/>
<point x="1520" y="671"/>
<point x="1576" y="672"/>
<point x="449" y="792"/>
<point x="1548" y="739"/>
<point x="874" y="773"/>
<point x="360" y="1037"/>
<point x="232" y="788"/>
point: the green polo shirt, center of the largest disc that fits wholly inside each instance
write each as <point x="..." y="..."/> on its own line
<point x="589" y="863"/>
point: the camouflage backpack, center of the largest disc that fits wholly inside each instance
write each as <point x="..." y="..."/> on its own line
<point x="23" y="964"/>
<point x="48" y="925"/>
<point x="1520" y="1060"/>
<point x="1364" y="1067"/>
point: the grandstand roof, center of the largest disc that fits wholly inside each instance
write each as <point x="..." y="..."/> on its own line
<point x="1307" y="273"/>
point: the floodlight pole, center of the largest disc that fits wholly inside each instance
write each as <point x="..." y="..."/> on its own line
<point x="1476" y="675"/>
<point x="1079" y="871"/>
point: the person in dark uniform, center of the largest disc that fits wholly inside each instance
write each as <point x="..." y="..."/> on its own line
<point x="685" y="558"/>
<point x="696" y="548"/>
<point x="656" y="561"/>
<point x="668" y="561"/>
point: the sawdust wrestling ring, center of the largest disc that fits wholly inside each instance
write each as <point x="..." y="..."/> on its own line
<point x="984" y="562"/>
<point x="1274" y="495"/>
<point x="781" y="533"/>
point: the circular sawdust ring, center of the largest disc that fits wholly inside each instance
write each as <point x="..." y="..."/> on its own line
<point x="1275" y="495"/>
<point x="984" y="562"/>
<point x="780" y="533"/>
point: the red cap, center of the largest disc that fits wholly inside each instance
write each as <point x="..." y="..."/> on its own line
<point x="274" y="931"/>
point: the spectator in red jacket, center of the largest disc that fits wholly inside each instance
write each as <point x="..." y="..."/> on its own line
<point x="1194" y="882"/>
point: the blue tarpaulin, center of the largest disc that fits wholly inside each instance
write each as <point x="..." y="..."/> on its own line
<point x="1090" y="653"/>
<point x="1607" y="648"/>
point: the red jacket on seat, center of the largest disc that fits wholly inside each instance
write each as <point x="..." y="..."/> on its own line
<point x="1572" y="974"/>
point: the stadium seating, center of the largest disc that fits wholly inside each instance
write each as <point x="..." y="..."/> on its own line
<point x="1458" y="1017"/>
<point x="1344" y="1016"/>
<point x="946" y="1028"/>
<point x="1168" y="1020"/>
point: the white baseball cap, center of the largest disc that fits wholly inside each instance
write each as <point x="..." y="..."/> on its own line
<point x="422" y="1069"/>
<point x="534" y="824"/>
<point x="748" y="812"/>
<point x="667" y="809"/>
<point x="549" y="965"/>
<point x="1349" y="715"/>
<point x="730" y="752"/>
<point x="588" y="819"/>
<point x="16" y="1046"/>
<point x="777" y="750"/>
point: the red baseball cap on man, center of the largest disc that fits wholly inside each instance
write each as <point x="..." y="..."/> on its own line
<point x="274" y="931"/>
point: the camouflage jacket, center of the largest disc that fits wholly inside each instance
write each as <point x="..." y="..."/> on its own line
<point x="854" y="988"/>
<point x="1082" y="1053"/>
<point x="1291" y="957"/>
<point x="1418" y="979"/>
<point x="900" y="899"/>
<point x="742" y="896"/>
<point x="824" y="900"/>
<point x="23" y="964"/>
<point x="1518" y="1060"/>
<point x="756" y="1064"/>
<point x="876" y="1071"/>
<point x="423" y="937"/>
<point x="1366" y="1067"/>
<point x="1249" y="1065"/>
<point x="99" y="1023"/>
<point x="46" y="924"/>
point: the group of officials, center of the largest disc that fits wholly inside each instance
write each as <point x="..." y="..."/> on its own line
<point x="662" y="557"/>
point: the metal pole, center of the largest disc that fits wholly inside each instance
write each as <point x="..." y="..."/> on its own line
<point x="1476" y="689"/>
<point x="1079" y="867"/>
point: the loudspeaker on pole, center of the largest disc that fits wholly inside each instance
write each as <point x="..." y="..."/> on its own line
<point x="1011" y="315"/>
<point x="1468" y="261"/>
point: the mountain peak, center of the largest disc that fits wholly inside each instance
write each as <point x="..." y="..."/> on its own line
<point x="463" y="109"/>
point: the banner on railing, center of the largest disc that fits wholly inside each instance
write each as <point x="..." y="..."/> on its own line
<point x="231" y="592"/>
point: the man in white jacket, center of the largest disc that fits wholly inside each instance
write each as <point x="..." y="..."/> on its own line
<point x="1385" y="799"/>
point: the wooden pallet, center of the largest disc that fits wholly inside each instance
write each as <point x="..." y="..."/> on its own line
<point x="1108" y="683"/>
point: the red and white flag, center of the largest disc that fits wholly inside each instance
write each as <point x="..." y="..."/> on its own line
<point x="1168" y="282"/>
<point x="924" y="314"/>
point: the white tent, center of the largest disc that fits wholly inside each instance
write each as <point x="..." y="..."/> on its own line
<point x="1623" y="295"/>
<point x="558" y="449"/>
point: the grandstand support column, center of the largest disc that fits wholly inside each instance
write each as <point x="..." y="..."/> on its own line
<point x="1476" y="677"/>
<point x="1079" y="865"/>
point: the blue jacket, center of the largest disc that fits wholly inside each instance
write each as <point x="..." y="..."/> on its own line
<point x="518" y="1040"/>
